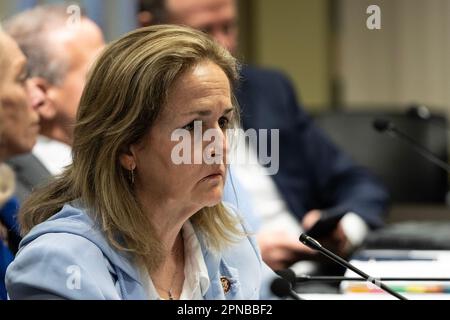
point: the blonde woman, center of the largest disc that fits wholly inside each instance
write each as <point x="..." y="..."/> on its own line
<point x="125" y="221"/>
<point x="19" y="126"/>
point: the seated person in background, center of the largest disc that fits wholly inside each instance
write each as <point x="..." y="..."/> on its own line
<point x="19" y="125"/>
<point x="59" y="57"/>
<point x="124" y="221"/>
<point x="315" y="179"/>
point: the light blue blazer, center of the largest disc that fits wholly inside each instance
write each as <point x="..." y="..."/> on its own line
<point x="67" y="257"/>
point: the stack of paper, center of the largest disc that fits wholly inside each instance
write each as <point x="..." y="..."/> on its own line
<point x="402" y="264"/>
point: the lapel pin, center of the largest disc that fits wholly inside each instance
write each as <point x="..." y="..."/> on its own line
<point x="226" y="284"/>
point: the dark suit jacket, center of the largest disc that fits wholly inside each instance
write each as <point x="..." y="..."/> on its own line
<point x="313" y="172"/>
<point x="30" y="173"/>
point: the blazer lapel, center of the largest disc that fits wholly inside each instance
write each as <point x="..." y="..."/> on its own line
<point x="224" y="280"/>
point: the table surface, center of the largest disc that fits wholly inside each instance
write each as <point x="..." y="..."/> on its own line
<point x="418" y="212"/>
<point x="372" y="296"/>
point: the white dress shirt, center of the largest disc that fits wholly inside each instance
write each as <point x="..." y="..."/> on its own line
<point x="53" y="154"/>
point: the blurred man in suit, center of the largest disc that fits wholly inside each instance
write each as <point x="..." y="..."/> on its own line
<point x="60" y="50"/>
<point x="315" y="181"/>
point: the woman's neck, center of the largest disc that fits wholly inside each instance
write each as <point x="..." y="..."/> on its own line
<point x="7" y="183"/>
<point x="168" y="216"/>
<point x="168" y="279"/>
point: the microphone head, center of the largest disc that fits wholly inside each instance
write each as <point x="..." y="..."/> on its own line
<point x="288" y="275"/>
<point x="310" y="242"/>
<point x="419" y="112"/>
<point x="382" y="125"/>
<point x="280" y="287"/>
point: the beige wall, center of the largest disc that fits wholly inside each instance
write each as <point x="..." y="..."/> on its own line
<point x="292" y="35"/>
<point x="407" y="61"/>
<point x="116" y="19"/>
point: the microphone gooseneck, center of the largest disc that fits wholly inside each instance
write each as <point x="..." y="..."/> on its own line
<point x="315" y="245"/>
<point x="383" y="125"/>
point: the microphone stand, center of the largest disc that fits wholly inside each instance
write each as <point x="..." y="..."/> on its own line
<point x="315" y="245"/>
<point x="394" y="132"/>
<point x="383" y="125"/>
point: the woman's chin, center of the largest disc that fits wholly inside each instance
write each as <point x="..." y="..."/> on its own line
<point x="214" y="199"/>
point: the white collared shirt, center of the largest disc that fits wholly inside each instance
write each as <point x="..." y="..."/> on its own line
<point x="53" y="154"/>
<point x="196" y="278"/>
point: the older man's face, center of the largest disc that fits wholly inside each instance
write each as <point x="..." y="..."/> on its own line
<point x="79" y="46"/>
<point x="218" y="18"/>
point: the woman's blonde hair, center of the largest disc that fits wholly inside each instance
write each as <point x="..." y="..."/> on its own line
<point x="125" y="92"/>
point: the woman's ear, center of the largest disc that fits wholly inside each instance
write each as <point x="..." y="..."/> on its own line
<point x="128" y="159"/>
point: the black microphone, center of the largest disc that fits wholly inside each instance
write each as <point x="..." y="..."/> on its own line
<point x="282" y="289"/>
<point x="315" y="245"/>
<point x="289" y="275"/>
<point x="383" y="125"/>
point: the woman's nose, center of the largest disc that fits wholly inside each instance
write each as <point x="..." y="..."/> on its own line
<point x="216" y="144"/>
<point x="37" y="96"/>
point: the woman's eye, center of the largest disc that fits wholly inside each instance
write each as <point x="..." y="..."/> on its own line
<point x="223" y="122"/>
<point x="22" y="78"/>
<point x="189" y="127"/>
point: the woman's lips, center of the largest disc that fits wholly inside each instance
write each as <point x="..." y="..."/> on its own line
<point x="214" y="176"/>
